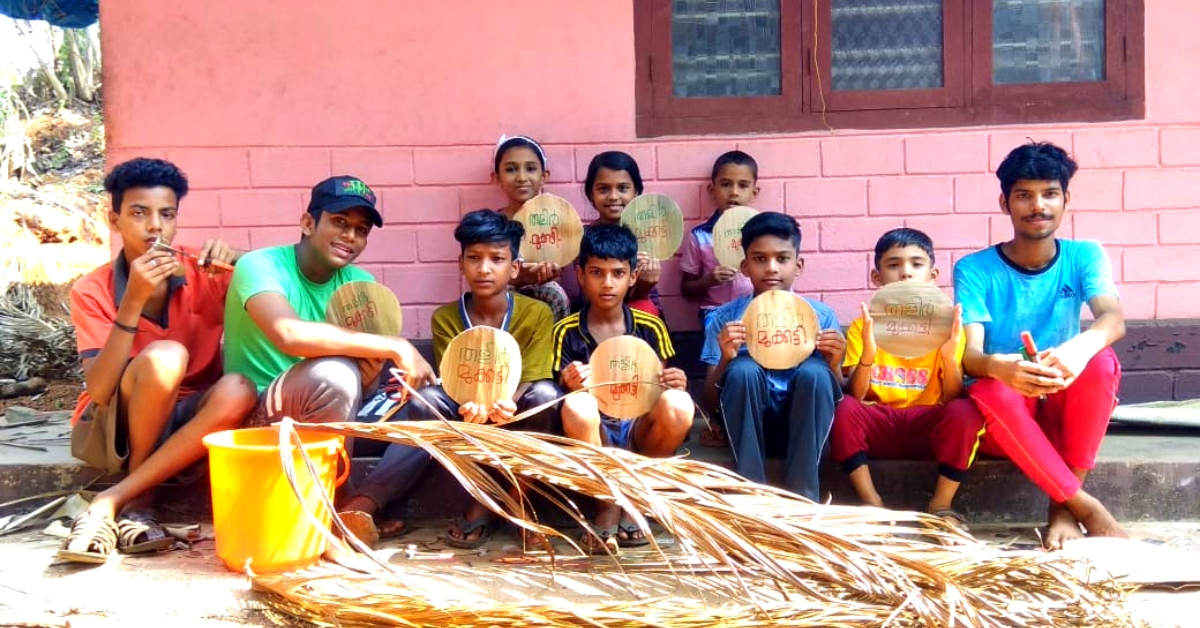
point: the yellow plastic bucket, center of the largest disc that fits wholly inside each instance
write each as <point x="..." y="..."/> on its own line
<point x="256" y="515"/>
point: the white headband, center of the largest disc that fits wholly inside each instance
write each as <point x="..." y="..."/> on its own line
<point x="536" y="147"/>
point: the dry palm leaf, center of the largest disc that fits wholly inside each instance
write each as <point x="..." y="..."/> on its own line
<point x="747" y="554"/>
<point x="34" y="343"/>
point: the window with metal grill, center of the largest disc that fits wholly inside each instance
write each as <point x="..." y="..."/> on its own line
<point x="707" y="66"/>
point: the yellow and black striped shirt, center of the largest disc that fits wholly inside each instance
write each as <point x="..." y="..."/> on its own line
<point x="572" y="342"/>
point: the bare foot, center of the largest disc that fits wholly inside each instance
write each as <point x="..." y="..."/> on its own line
<point x="1060" y="528"/>
<point x="103" y="506"/>
<point x="946" y="513"/>
<point x="1097" y="520"/>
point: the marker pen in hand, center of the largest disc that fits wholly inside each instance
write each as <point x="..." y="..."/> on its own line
<point x="1028" y="348"/>
<point x="1029" y="351"/>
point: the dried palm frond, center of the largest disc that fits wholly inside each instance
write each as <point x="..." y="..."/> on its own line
<point x="746" y="554"/>
<point x="34" y="343"/>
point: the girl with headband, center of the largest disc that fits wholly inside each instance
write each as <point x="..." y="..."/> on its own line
<point x="519" y="170"/>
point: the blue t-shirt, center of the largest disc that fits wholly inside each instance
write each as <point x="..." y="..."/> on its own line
<point x="1008" y="299"/>
<point x="777" y="381"/>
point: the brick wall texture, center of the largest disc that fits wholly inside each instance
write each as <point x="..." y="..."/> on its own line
<point x="1136" y="193"/>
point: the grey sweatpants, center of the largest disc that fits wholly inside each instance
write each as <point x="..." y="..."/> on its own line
<point x="328" y="390"/>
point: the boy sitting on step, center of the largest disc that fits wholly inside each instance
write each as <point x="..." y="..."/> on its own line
<point x="922" y="417"/>
<point x="758" y="404"/>
<point x="607" y="270"/>
<point x="490" y="243"/>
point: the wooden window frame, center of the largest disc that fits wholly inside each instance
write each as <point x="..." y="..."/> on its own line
<point x="807" y="101"/>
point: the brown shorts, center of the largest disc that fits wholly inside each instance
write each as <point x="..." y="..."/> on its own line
<point x="101" y="440"/>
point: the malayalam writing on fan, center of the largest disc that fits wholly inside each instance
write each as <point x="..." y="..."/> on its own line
<point x="630" y="388"/>
<point x="914" y="316"/>
<point x="484" y="365"/>
<point x="355" y="313"/>
<point x="544" y="218"/>
<point x="780" y="328"/>
<point x="650" y="232"/>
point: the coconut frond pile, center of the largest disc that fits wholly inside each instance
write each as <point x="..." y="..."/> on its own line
<point x="34" y="343"/>
<point x="746" y="554"/>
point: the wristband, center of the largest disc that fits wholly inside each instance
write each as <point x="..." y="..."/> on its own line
<point x="866" y="365"/>
<point x="127" y="328"/>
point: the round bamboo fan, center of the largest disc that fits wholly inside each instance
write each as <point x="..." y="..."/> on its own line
<point x="365" y="306"/>
<point x="657" y="222"/>
<point x="911" y="318"/>
<point x="552" y="230"/>
<point x="482" y="364"/>
<point x="727" y="236"/>
<point x="781" y="329"/>
<point x="633" y="363"/>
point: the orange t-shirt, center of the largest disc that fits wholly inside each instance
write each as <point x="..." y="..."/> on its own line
<point x="194" y="317"/>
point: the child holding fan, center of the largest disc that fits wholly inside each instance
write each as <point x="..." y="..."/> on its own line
<point x="613" y="180"/>
<point x="919" y="415"/>
<point x="607" y="269"/>
<point x="519" y="170"/>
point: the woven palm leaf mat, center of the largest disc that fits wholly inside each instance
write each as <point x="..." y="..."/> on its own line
<point x="743" y="555"/>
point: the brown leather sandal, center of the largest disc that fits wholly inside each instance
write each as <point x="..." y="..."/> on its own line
<point x="93" y="537"/>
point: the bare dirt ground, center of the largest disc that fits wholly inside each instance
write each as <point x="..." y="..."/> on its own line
<point x="60" y="395"/>
<point x="53" y="228"/>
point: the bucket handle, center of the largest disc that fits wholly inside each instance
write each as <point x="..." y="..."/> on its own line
<point x="344" y="463"/>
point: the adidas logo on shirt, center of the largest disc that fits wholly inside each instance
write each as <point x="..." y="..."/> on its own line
<point x="1066" y="292"/>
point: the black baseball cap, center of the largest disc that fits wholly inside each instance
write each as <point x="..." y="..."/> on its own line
<point x="338" y="194"/>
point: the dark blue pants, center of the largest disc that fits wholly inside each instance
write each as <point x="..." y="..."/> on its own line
<point x="800" y="421"/>
<point x="402" y="465"/>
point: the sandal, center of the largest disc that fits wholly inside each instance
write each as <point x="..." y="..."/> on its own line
<point x="601" y="541"/>
<point x="953" y="518"/>
<point x="139" y="532"/>
<point x="484" y="525"/>
<point x="92" y="539"/>
<point x="629" y="528"/>
<point x="713" y="436"/>
<point x="368" y="531"/>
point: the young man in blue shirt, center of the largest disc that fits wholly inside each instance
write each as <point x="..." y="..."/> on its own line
<point x="1047" y="412"/>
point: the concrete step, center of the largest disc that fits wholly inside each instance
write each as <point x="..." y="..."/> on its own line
<point x="1141" y="475"/>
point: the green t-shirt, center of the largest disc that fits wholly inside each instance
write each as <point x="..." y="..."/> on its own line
<point x="529" y="322"/>
<point x="247" y="349"/>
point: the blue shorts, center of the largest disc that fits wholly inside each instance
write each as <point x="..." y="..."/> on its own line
<point x="617" y="432"/>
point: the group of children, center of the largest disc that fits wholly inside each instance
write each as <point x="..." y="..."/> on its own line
<point x="150" y="338"/>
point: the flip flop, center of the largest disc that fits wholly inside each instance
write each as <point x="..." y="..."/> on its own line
<point x="953" y="518"/>
<point x="92" y="539"/>
<point x="485" y="525"/>
<point x="139" y="532"/>
<point x="363" y="526"/>
<point x="713" y="436"/>
<point x="602" y="541"/>
<point x="630" y="528"/>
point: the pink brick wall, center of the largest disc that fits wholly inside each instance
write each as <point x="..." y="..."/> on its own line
<point x="416" y="106"/>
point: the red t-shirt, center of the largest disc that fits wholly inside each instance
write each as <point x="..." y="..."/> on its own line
<point x="194" y="317"/>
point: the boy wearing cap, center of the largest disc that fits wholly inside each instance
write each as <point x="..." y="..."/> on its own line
<point x="275" y="329"/>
